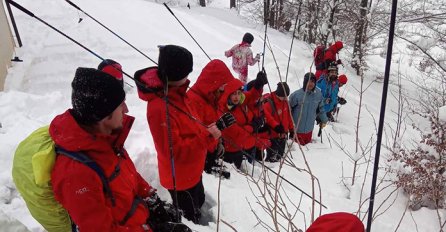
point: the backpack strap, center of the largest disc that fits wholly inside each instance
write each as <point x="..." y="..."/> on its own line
<point x="273" y="105"/>
<point x="80" y="157"/>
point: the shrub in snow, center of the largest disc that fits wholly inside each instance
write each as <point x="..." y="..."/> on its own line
<point x="422" y="171"/>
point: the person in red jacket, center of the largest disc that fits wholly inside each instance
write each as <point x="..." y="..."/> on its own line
<point x="97" y="126"/>
<point x="204" y="96"/>
<point x="329" y="59"/>
<point x="240" y="139"/>
<point x="278" y="117"/>
<point x="337" y="222"/>
<point x="181" y="142"/>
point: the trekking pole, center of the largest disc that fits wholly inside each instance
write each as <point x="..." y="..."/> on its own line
<point x="291" y="48"/>
<point x="382" y="113"/>
<point x="186" y="30"/>
<point x="172" y="160"/>
<point x="125" y="41"/>
<point x="26" y="11"/>
<point x="264" y="44"/>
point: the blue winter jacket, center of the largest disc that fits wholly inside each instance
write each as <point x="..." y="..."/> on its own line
<point x="329" y="92"/>
<point x="312" y="107"/>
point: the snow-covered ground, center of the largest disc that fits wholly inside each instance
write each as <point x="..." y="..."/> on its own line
<point x="39" y="88"/>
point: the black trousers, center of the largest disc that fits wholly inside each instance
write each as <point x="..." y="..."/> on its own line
<point x="277" y="149"/>
<point x="190" y="201"/>
<point x="237" y="157"/>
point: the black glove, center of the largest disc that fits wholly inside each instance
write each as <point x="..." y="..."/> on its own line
<point x="225" y="121"/>
<point x="257" y="123"/>
<point x="261" y="80"/>
<point x="342" y="100"/>
<point x="170" y="227"/>
<point x="279" y="129"/>
<point x="161" y="211"/>
<point x="291" y="135"/>
<point x="339" y="61"/>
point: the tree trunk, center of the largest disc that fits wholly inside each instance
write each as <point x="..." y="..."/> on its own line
<point x="358" y="52"/>
<point x="266" y="10"/>
<point x="203" y="3"/>
<point x="231" y="4"/>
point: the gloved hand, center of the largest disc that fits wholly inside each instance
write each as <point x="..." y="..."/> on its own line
<point x="279" y="129"/>
<point x="170" y="227"/>
<point x="342" y="100"/>
<point x="257" y="57"/>
<point x="261" y="80"/>
<point x="161" y="211"/>
<point x="339" y="61"/>
<point x="291" y="135"/>
<point x="322" y="125"/>
<point x="226" y="120"/>
<point x="257" y="123"/>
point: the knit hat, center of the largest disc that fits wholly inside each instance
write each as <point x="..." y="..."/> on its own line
<point x="342" y="79"/>
<point x="113" y="68"/>
<point x="174" y="63"/>
<point x="248" y="38"/>
<point x="307" y="77"/>
<point x="280" y="87"/>
<point x="95" y="95"/>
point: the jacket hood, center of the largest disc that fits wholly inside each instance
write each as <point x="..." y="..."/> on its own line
<point x="148" y="83"/>
<point x="213" y="75"/>
<point x="66" y="132"/>
<point x="231" y="87"/>
<point x="338" y="45"/>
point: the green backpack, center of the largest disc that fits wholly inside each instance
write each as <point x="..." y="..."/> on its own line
<point x="31" y="171"/>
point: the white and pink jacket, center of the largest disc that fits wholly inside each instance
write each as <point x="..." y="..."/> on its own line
<point x="241" y="58"/>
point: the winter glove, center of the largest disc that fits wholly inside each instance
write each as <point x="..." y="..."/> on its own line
<point x="330" y="117"/>
<point x="171" y="227"/>
<point x="342" y="100"/>
<point x="339" y="61"/>
<point x="257" y="58"/>
<point x="257" y="123"/>
<point x="291" y="135"/>
<point x="279" y="129"/>
<point x="226" y="120"/>
<point x="260" y="80"/>
<point x="160" y="211"/>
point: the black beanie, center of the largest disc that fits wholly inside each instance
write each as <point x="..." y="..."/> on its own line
<point x="280" y="87"/>
<point x="174" y="63"/>
<point x="95" y="95"/>
<point x="248" y="38"/>
<point x="307" y="77"/>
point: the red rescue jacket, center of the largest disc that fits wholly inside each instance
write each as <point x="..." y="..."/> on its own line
<point x="189" y="138"/>
<point x="79" y="189"/>
<point x="280" y="114"/>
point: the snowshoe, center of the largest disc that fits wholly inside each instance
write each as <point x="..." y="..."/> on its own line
<point x="219" y="170"/>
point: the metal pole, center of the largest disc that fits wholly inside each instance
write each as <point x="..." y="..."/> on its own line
<point x="383" y="112"/>
<point x="11" y="17"/>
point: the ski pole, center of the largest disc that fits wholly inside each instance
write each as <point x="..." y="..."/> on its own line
<point x="125" y="41"/>
<point x="319" y="134"/>
<point x="186" y="30"/>
<point x="264" y="44"/>
<point x="26" y="11"/>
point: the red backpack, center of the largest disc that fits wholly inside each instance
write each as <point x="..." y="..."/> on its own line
<point x="318" y="55"/>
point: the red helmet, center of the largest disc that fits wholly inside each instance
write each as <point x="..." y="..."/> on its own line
<point x="342" y="79"/>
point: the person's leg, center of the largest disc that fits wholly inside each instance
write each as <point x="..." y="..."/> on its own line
<point x="244" y="75"/>
<point x="210" y="162"/>
<point x="190" y="201"/>
<point x="281" y="147"/>
<point x="272" y="152"/>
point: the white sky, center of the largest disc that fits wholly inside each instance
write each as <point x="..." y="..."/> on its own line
<point x="39" y="88"/>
